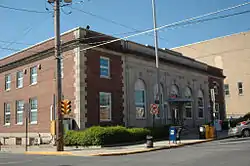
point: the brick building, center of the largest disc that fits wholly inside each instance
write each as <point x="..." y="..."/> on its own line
<point x="108" y="85"/>
<point x="231" y="54"/>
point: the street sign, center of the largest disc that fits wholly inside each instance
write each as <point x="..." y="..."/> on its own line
<point x="66" y="107"/>
<point x="212" y="95"/>
<point x="154" y="109"/>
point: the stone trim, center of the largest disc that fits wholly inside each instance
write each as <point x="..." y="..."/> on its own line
<point x="83" y="60"/>
<point x="124" y="96"/>
<point x="77" y="94"/>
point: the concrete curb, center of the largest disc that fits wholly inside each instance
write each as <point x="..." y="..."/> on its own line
<point x="125" y="153"/>
<point x="152" y="149"/>
<point x="49" y="153"/>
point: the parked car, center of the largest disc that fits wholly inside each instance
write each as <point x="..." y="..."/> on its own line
<point x="242" y="129"/>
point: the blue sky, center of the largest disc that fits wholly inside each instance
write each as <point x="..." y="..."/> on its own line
<point x="30" y="28"/>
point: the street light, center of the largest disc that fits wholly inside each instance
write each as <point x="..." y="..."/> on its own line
<point x="158" y="98"/>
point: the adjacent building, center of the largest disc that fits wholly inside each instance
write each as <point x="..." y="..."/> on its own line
<point x="230" y="53"/>
<point x="112" y="84"/>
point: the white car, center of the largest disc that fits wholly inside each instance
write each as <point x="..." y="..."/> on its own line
<point x="242" y="129"/>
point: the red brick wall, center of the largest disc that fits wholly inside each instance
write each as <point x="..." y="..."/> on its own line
<point x="95" y="84"/>
<point x="43" y="90"/>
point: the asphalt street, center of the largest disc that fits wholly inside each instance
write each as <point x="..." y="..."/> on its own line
<point x="229" y="152"/>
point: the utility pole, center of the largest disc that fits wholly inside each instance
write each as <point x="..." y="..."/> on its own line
<point x="158" y="92"/>
<point x="59" y="118"/>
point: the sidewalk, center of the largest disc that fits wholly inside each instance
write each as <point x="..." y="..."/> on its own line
<point x="107" y="151"/>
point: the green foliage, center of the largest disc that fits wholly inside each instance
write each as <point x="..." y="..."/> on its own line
<point x="160" y="132"/>
<point x="96" y="136"/>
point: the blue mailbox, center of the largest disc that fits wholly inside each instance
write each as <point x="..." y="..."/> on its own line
<point x="172" y="134"/>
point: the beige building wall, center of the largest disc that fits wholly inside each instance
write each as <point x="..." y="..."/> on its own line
<point x="232" y="54"/>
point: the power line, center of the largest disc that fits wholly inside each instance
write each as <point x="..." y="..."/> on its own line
<point x="23" y="10"/>
<point x="183" y="23"/>
<point x="29" y="29"/>
<point x="168" y="25"/>
<point x="98" y="36"/>
<point x="5" y="41"/>
<point x="112" y="21"/>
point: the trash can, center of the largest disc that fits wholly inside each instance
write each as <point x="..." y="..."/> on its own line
<point x="172" y="134"/>
<point x="207" y="131"/>
<point x="211" y="132"/>
<point x="149" y="143"/>
<point x="202" y="132"/>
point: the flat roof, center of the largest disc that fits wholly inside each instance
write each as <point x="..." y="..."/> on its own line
<point x="208" y="40"/>
<point x="37" y="44"/>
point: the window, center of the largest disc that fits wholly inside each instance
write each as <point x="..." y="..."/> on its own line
<point x="6" y="114"/>
<point x="188" y="105"/>
<point x="33" y="110"/>
<point x="240" y="88"/>
<point x="7" y="82"/>
<point x="104" y="67"/>
<point x="200" y="105"/>
<point x="140" y="99"/>
<point x="105" y="106"/>
<point x="33" y="75"/>
<point x="19" y="111"/>
<point x="19" y="79"/>
<point x="226" y="89"/>
<point x="161" y="99"/>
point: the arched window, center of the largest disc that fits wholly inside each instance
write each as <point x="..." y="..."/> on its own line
<point x="188" y="105"/>
<point x="140" y="99"/>
<point x="174" y="93"/>
<point x="200" y="104"/>
<point x="161" y="97"/>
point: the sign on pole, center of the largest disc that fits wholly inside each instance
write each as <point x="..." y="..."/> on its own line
<point x="212" y="95"/>
<point x="154" y="109"/>
<point x="27" y="117"/>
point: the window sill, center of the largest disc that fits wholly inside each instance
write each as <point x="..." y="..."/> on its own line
<point x="200" y="118"/>
<point x="33" y="123"/>
<point x="7" y="125"/>
<point x="105" y="120"/>
<point x="188" y="118"/>
<point x="19" y="87"/>
<point x="33" y="84"/>
<point x="7" y="90"/>
<point x="19" y="124"/>
<point x="107" y="77"/>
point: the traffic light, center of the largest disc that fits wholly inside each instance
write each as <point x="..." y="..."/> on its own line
<point x="66" y="107"/>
